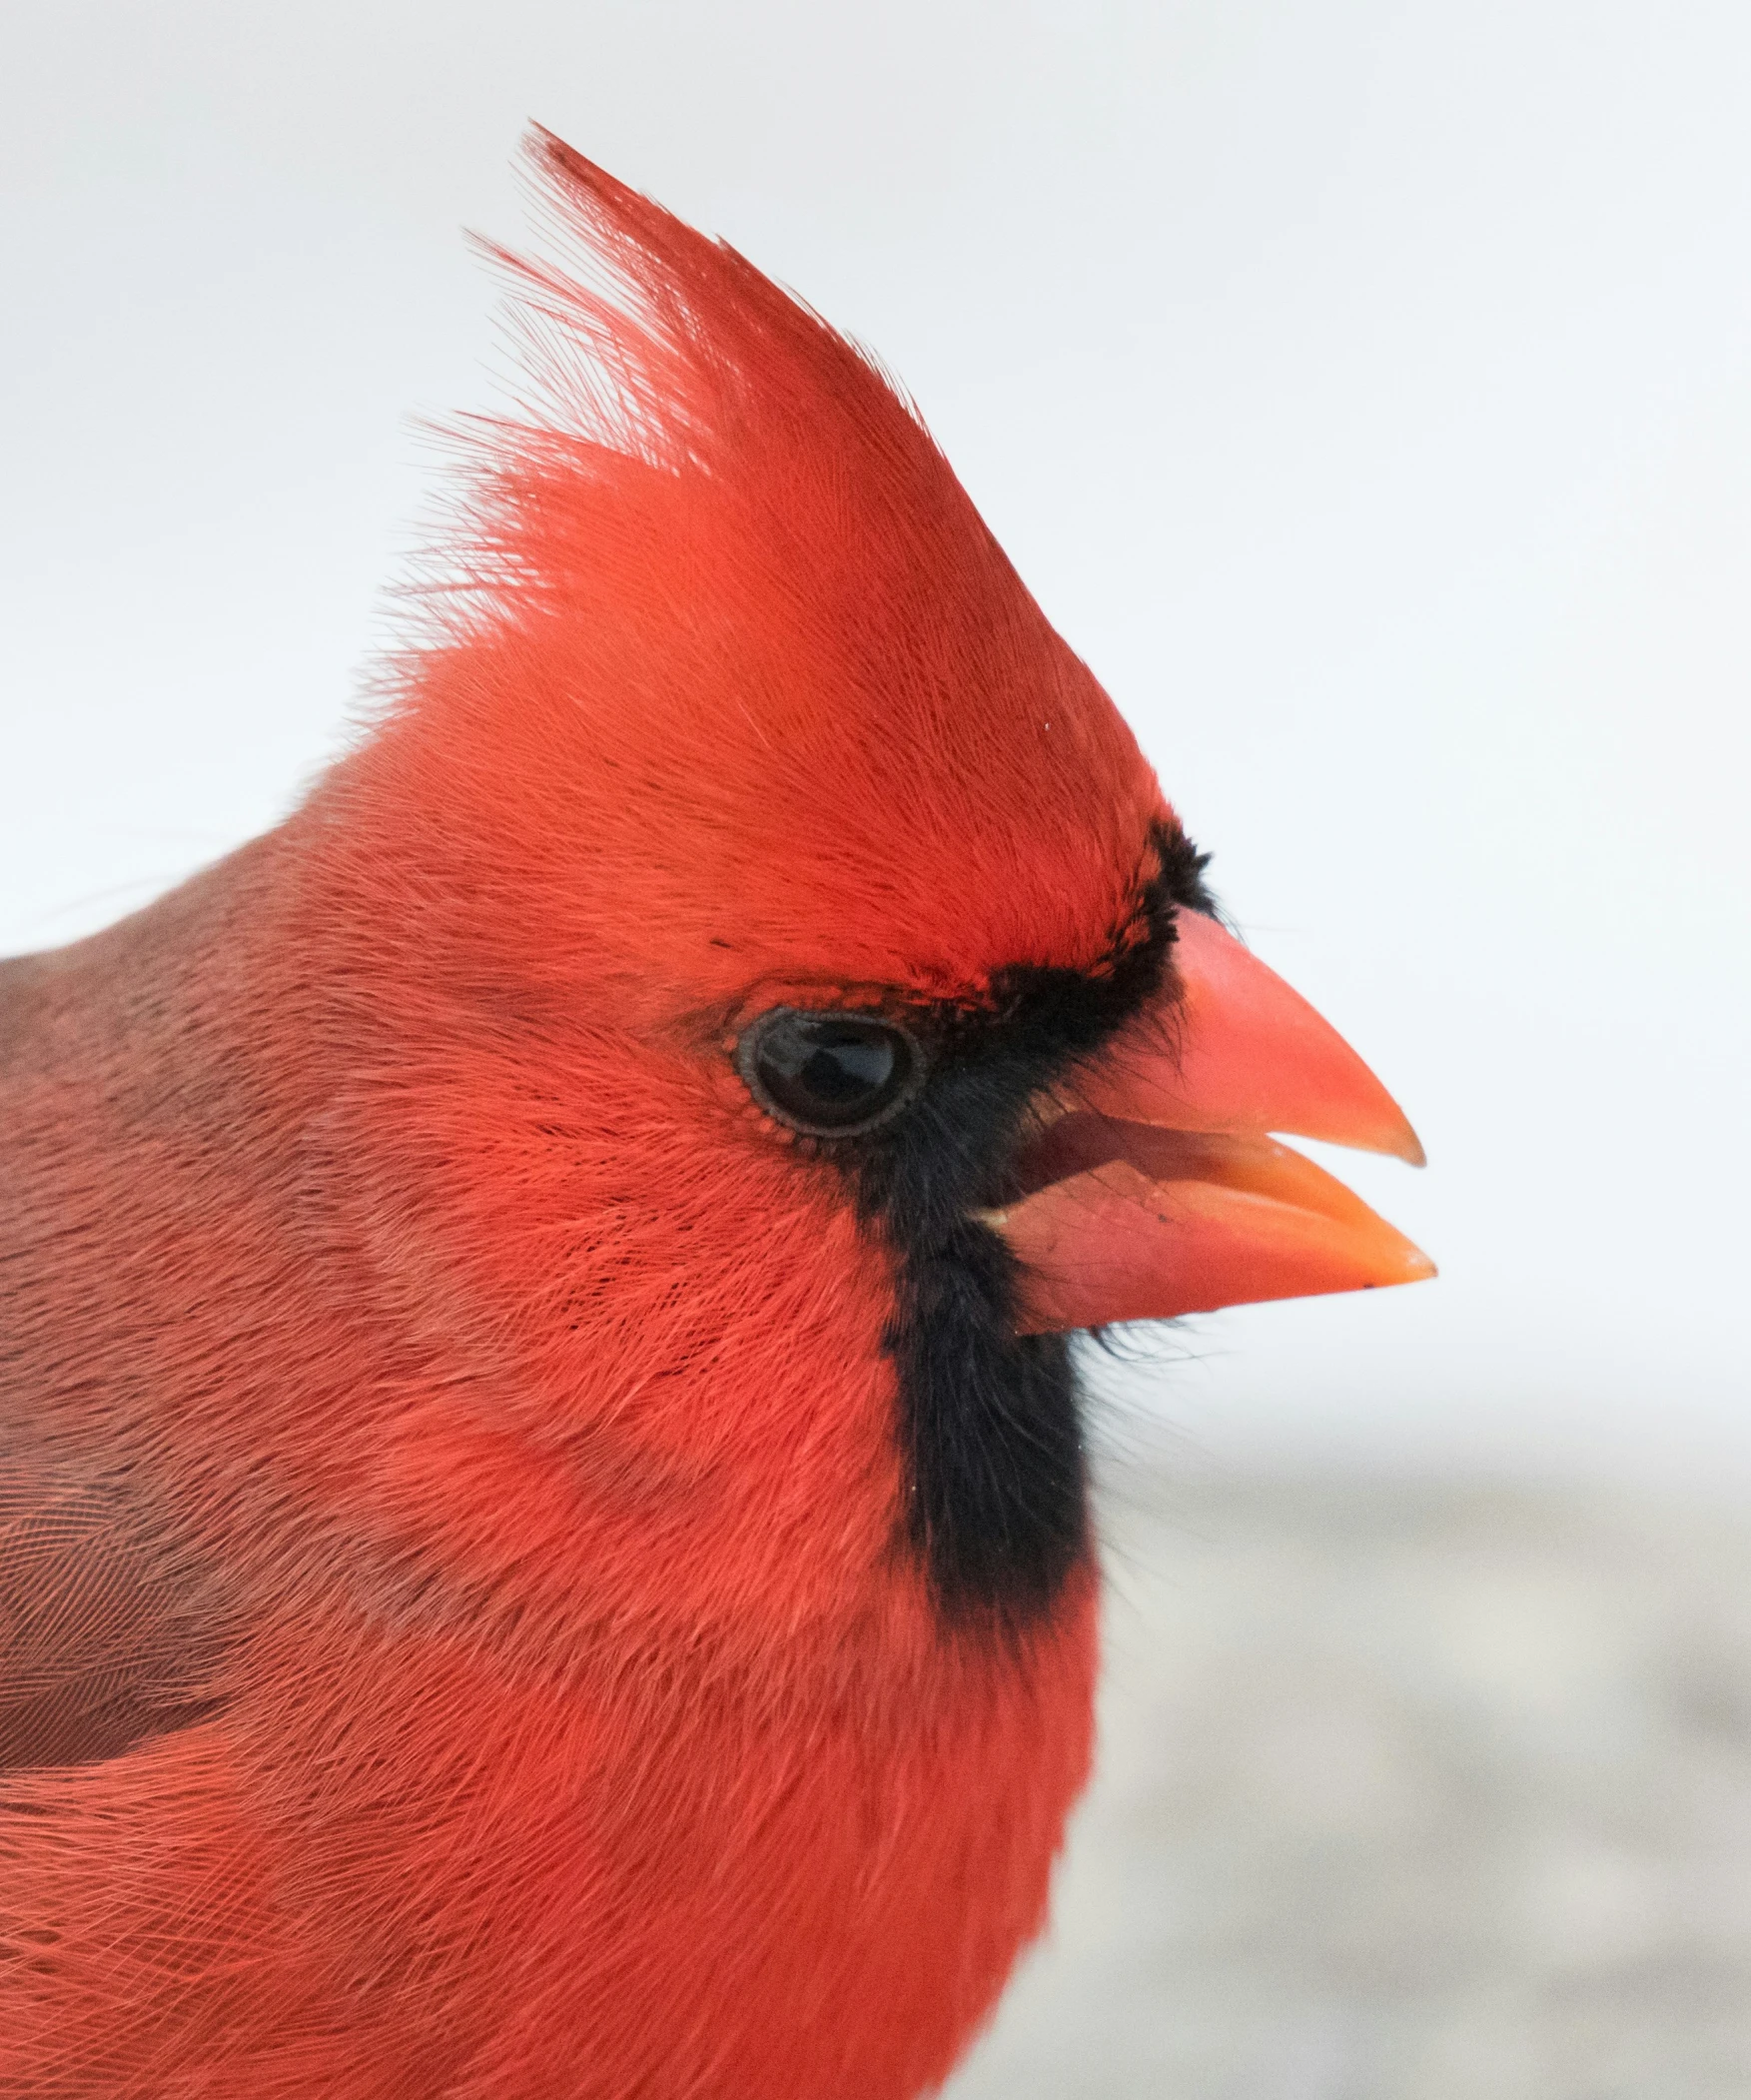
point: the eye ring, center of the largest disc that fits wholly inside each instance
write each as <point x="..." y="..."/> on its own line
<point x="828" y="1072"/>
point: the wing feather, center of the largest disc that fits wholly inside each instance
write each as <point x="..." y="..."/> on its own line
<point x="107" y="1638"/>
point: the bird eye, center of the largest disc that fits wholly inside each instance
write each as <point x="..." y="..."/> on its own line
<point x="833" y="1075"/>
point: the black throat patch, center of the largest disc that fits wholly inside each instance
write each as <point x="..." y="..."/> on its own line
<point x="989" y="1424"/>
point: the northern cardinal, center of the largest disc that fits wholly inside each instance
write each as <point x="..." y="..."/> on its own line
<point x="544" y="1546"/>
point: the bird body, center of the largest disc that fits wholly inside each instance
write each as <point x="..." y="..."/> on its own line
<point x="396" y="1706"/>
<point x="543" y="1545"/>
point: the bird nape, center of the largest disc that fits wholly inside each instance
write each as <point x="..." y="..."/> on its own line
<point x="544" y="1539"/>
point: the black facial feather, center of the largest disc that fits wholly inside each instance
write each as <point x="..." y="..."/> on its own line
<point x="989" y="1419"/>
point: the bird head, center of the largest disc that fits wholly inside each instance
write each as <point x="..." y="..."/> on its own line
<point x="789" y="1003"/>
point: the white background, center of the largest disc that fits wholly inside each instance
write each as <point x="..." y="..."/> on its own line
<point x="1364" y="389"/>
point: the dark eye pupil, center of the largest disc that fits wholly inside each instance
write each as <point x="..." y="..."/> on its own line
<point x="832" y="1074"/>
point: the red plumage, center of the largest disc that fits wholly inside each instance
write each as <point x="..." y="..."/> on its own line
<point x="493" y="1402"/>
<point x="465" y="1623"/>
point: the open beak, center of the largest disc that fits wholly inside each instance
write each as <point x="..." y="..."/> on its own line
<point x="1159" y="1189"/>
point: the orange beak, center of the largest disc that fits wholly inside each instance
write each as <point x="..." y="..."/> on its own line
<point x="1158" y="1190"/>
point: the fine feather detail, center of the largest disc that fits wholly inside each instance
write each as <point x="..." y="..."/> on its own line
<point x="384" y="1221"/>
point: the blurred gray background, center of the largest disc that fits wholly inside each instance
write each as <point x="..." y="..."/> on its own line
<point x="1366" y="391"/>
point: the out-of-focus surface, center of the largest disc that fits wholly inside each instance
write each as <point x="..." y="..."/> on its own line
<point x="1406" y="1792"/>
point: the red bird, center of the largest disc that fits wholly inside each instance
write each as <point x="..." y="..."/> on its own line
<point x="544" y="1542"/>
